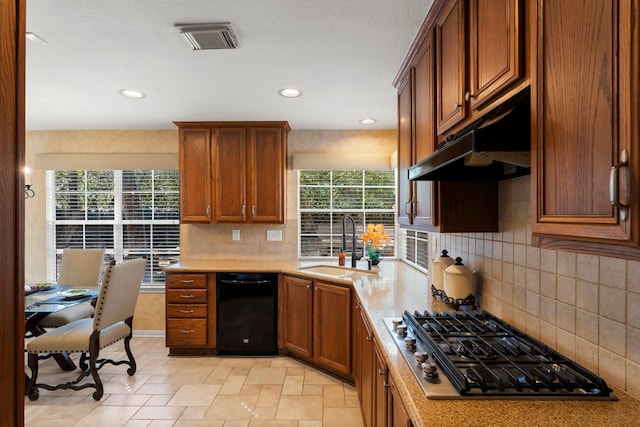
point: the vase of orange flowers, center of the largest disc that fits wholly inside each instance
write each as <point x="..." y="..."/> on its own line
<point x="375" y="237"/>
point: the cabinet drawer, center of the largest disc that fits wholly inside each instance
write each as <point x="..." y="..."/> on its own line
<point x="187" y="310"/>
<point x="187" y="296"/>
<point x="186" y="332"/>
<point x="187" y="281"/>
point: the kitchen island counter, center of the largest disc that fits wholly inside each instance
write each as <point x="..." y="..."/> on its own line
<point x="397" y="287"/>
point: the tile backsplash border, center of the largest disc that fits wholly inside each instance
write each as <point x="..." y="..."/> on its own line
<point x="587" y="307"/>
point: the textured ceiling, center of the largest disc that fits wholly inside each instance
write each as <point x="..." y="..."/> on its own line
<point x="342" y="54"/>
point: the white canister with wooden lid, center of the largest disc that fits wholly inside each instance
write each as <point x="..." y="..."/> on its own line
<point x="458" y="280"/>
<point x="438" y="266"/>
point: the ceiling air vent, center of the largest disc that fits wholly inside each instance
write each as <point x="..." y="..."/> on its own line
<point x="209" y="36"/>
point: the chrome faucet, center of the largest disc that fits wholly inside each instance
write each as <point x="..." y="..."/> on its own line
<point x="354" y="257"/>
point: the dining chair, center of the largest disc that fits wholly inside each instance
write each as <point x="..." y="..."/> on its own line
<point x="111" y="323"/>
<point x="80" y="268"/>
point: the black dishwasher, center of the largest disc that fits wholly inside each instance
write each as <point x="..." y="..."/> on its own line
<point x="247" y="313"/>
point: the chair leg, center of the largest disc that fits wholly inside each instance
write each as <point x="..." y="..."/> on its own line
<point x="32" y="390"/>
<point x="127" y="348"/>
<point x="94" y="349"/>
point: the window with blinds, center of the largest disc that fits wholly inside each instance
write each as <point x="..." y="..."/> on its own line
<point x="131" y="214"/>
<point x="326" y="196"/>
<point x="417" y="249"/>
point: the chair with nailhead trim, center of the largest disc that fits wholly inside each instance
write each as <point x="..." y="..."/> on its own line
<point x="111" y="323"/>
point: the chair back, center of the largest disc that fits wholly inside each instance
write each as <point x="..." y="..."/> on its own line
<point x="118" y="293"/>
<point x="81" y="267"/>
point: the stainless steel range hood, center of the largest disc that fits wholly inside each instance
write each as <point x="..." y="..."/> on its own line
<point x="495" y="147"/>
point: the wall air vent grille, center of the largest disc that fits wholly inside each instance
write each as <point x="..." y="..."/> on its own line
<point x="209" y="36"/>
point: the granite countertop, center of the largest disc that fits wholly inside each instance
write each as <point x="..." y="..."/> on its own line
<point x="394" y="287"/>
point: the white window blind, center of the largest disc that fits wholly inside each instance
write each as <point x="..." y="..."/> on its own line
<point x="131" y="214"/>
<point x="326" y="196"/>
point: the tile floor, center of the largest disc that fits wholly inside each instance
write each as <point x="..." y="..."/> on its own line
<point x="198" y="391"/>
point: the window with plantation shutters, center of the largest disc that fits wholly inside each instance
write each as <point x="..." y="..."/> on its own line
<point x="130" y="213"/>
<point x="326" y="196"/>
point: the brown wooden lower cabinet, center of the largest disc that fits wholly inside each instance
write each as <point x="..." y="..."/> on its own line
<point x="365" y="366"/>
<point x="190" y="312"/>
<point x="317" y="323"/>
<point x="380" y="388"/>
<point x="397" y="415"/>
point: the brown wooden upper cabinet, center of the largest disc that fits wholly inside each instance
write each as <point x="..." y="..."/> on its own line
<point x="586" y="146"/>
<point x="232" y="172"/>
<point x="479" y="55"/>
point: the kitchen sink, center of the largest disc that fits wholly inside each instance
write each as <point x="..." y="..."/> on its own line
<point x="338" y="272"/>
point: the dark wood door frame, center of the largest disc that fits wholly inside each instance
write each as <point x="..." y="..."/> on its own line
<point x="12" y="152"/>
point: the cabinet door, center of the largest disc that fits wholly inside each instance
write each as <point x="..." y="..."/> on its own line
<point x="397" y="415"/>
<point x="495" y="48"/>
<point x="587" y="93"/>
<point x="364" y="366"/>
<point x="298" y="320"/>
<point x="379" y="389"/>
<point x="195" y="175"/>
<point x="331" y="326"/>
<point x="229" y="151"/>
<point x="405" y="153"/>
<point x="450" y="60"/>
<point x="266" y="173"/>
<point x="424" y="141"/>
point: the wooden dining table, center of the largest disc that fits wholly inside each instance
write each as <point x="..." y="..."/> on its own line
<point x="43" y="300"/>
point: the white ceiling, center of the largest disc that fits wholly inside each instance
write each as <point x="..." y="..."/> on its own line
<point x="342" y="54"/>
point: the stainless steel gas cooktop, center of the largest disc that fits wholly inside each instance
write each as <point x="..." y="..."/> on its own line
<point x="460" y="355"/>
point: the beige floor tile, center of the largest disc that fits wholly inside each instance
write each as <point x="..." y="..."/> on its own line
<point x="186" y="392"/>
<point x="313" y="389"/>
<point x="300" y="408"/>
<point x="231" y="408"/>
<point x="316" y="377"/>
<point x="269" y="396"/>
<point x="342" y="417"/>
<point x="107" y="416"/>
<point x="158" y="400"/>
<point x="233" y="384"/>
<point x="219" y="375"/>
<point x="159" y="413"/>
<point x="195" y="395"/>
<point x="266" y="375"/>
<point x="293" y="385"/>
<point x="333" y="396"/>
<point x="126" y="399"/>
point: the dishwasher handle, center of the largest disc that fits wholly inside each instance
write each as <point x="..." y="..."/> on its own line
<point x="245" y="282"/>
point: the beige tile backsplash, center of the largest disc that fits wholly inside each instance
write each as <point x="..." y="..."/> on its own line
<point x="585" y="306"/>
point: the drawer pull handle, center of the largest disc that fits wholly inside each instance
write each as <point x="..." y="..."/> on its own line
<point x="184" y="331"/>
<point x="186" y="281"/>
<point x="186" y="311"/>
<point x="369" y="338"/>
<point x="187" y="296"/>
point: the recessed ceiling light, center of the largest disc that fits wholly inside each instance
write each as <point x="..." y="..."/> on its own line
<point x="130" y="93"/>
<point x="289" y="92"/>
<point x="367" y="121"/>
<point x="35" y="38"/>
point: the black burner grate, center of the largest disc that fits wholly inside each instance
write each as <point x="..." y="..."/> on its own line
<point x="481" y="355"/>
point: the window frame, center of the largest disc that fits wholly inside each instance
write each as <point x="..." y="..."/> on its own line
<point x="336" y="229"/>
<point x="157" y="256"/>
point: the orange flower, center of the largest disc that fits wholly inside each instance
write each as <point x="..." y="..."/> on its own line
<point x="375" y="236"/>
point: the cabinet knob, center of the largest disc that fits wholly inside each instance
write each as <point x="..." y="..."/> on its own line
<point x="309" y="287"/>
<point x="184" y="331"/>
<point x="467" y="96"/>
<point x="381" y="372"/>
<point x="253" y="211"/>
<point x="244" y="210"/>
<point x="209" y="211"/>
<point x="186" y="281"/>
<point x="186" y="311"/>
<point x="386" y="384"/>
<point x="614" y="186"/>
<point x="369" y="338"/>
<point x="187" y="296"/>
<point x="457" y="105"/>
